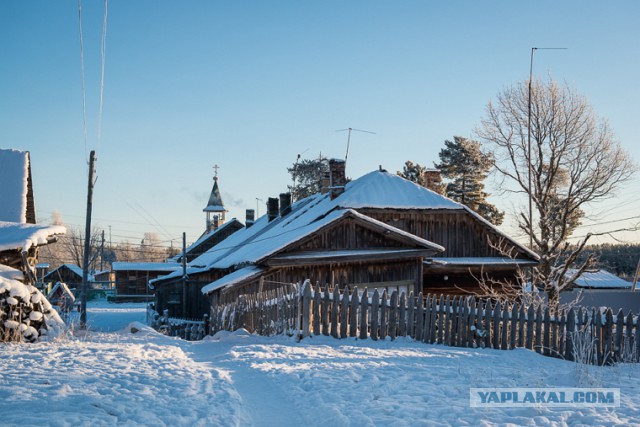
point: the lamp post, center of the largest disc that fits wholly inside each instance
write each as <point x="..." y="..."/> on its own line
<point x="533" y="49"/>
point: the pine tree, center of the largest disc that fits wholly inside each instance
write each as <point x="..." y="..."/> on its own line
<point x="413" y="172"/>
<point x="307" y="177"/>
<point x="466" y="166"/>
<point x="419" y="174"/>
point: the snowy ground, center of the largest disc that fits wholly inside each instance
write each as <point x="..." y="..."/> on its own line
<point x="111" y="376"/>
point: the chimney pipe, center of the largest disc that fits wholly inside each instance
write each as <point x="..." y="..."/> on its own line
<point x="250" y="215"/>
<point x="325" y="182"/>
<point x="338" y="177"/>
<point x="285" y="203"/>
<point x="272" y="208"/>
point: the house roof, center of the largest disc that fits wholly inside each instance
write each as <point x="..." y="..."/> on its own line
<point x="15" y="187"/>
<point x="10" y="273"/>
<point x="21" y="237"/>
<point x="71" y="267"/>
<point x="215" y="200"/>
<point x="246" y="273"/>
<point x="205" y="237"/>
<point x="599" y="279"/>
<point x="60" y="289"/>
<point x="379" y="189"/>
<point x="489" y="261"/>
<point x="145" y="266"/>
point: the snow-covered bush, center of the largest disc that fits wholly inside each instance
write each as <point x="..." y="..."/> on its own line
<point x="25" y="314"/>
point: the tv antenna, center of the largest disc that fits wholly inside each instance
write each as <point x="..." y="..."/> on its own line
<point x="349" y="139"/>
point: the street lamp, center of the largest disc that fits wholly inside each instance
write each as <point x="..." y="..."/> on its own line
<point x="533" y="49"/>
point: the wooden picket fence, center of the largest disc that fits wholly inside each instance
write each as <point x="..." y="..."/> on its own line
<point x="593" y="337"/>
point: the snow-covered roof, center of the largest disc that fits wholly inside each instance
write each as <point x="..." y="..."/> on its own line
<point x="14" y="174"/>
<point x="205" y="236"/>
<point x="237" y="276"/>
<point x="63" y="289"/>
<point x="284" y="233"/>
<point x="492" y="261"/>
<point x="145" y="266"/>
<point x="10" y="273"/>
<point x="599" y="279"/>
<point x="21" y="237"/>
<point x="71" y="267"/>
<point x="379" y="189"/>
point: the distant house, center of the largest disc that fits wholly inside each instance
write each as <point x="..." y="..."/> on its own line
<point x="70" y="274"/>
<point x="20" y="236"/>
<point x="132" y="278"/>
<point x="600" y="288"/>
<point x="599" y="280"/>
<point x="379" y="231"/>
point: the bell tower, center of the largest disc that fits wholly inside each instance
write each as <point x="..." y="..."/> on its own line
<point x="215" y="208"/>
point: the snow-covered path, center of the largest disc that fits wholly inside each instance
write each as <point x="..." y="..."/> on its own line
<point x="144" y="378"/>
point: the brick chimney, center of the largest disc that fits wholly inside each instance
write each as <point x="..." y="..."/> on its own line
<point x="285" y="203"/>
<point x="433" y="181"/>
<point x="250" y="217"/>
<point x="272" y="208"/>
<point x="325" y="182"/>
<point x="338" y="177"/>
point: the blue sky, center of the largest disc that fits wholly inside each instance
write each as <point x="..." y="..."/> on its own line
<point x="248" y="85"/>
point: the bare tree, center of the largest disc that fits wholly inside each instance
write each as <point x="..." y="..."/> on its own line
<point x="69" y="249"/>
<point x="575" y="160"/>
<point x="151" y="248"/>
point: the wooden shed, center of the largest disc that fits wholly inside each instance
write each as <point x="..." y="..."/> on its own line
<point x="132" y="278"/>
<point x="70" y="274"/>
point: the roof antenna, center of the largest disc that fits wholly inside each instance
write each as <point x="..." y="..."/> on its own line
<point x="349" y="139"/>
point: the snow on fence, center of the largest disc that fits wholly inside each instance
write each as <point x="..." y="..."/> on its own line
<point x="593" y="337"/>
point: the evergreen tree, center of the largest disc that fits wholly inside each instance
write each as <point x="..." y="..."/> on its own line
<point x="419" y="174"/>
<point x="466" y="166"/>
<point x="307" y="177"/>
<point x="413" y="172"/>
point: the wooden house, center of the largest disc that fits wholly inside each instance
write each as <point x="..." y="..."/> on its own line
<point x="378" y="231"/>
<point x="20" y="236"/>
<point x="473" y="246"/>
<point x="132" y="278"/>
<point x="70" y="274"/>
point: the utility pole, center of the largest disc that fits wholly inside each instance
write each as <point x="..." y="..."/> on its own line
<point x="87" y="244"/>
<point x="184" y="275"/>
<point x="635" y="279"/>
<point x="102" y="252"/>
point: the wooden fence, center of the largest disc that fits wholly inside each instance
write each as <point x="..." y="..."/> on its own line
<point x="574" y="334"/>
